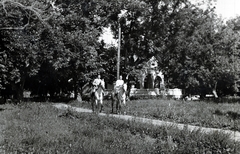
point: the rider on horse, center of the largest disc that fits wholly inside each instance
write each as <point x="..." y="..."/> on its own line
<point x="97" y="92"/>
<point x="119" y="83"/>
<point x="96" y="83"/>
<point x="119" y="94"/>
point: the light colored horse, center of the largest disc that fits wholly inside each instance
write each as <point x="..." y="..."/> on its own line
<point x="97" y="97"/>
<point x="119" y="97"/>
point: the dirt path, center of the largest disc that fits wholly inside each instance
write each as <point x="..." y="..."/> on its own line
<point x="235" y="135"/>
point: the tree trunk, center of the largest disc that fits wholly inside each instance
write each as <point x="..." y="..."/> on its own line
<point x="75" y="92"/>
<point x="77" y="95"/>
<point x="214" y="90"/>
<point x="19" y="90"/>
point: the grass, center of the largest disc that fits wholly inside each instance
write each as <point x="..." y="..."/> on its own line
<point x="199" y="113"/>
<point x="41" y="128"/>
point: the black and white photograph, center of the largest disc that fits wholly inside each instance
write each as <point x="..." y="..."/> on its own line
<point x="119" y="76"/>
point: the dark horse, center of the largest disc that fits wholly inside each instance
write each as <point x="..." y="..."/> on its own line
<point x="119" y="97"/>
<point x="97" y="98"/>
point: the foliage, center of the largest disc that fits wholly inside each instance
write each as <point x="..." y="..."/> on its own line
<point x="195" y="49"/>
<point x="24" y="28"/>
<point x="192" y="45"/>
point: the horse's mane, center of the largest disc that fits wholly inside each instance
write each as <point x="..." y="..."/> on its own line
<point x="122" y="89"/>
<point x="101" y="85"/>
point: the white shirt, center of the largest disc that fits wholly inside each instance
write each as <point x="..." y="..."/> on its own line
<point x="119" y="83"/>
<point x="96" y="82"/>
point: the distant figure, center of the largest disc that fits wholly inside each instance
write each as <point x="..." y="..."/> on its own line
<point x="157" y="85"/>
<point x="157" y="82"/>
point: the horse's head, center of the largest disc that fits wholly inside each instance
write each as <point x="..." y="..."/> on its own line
<point x="121" y="94"/>
<point x="101" y="85"/>
<point x="123" y="89"/>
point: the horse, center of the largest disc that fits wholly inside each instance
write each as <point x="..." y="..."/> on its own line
<point x="97" y="97"/>
<point x="119" y="97"/>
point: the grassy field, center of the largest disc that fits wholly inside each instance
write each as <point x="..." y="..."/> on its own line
<point x="41" y="128"/>
<point x="198" y="113"/>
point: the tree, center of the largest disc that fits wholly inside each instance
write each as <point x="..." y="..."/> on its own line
<point x="22" y="24"/>
<point x="59" y="40"/>
<point x="80" y="29"/>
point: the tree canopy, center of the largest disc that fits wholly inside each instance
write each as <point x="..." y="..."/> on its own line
<point x="52" y="46"/>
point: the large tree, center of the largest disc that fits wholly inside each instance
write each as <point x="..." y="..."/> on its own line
<point x="192" y="45"/>
<point x="22" y="27"/>
<point x="58" y="41"/>
<point x="81" y="24"/>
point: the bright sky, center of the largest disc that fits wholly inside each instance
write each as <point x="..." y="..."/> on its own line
<point x="108" y="38"/>
<point x="227" y="9"/>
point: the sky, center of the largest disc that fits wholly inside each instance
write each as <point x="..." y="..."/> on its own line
<point x="108" y="37"/>
<point x="227" y="9"/>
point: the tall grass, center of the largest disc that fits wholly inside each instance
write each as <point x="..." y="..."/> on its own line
<point x="199" y="113"/>
<point x="41" y="128"/>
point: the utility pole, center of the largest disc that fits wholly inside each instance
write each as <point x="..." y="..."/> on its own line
<point x="118" y="56"/>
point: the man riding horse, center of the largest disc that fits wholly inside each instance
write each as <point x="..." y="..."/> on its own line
<point x="118" y="84"/>
<point x="97" y="92"/>
<point x="96" y="83"/>
<point x="119" y="94"/>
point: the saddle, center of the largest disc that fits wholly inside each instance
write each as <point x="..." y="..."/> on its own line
<point x="95" y="88"/>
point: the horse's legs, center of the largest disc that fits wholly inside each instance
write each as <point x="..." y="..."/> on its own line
<point x="93" y="104"/>
<point x="101" y="102"/>
<point x="101" y="105"/>
<point x="114" y="100"/>
<point x="124" y="106"/>
<point x="124" y="99"/>
<point x="112" y="104"/>
<point x="96" y="104"/>
<point x="118" y="106"/>
<point x="124" y="102"/>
